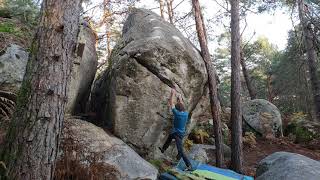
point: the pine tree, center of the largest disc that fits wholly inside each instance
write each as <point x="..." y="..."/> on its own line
<point x="32" y="141"/>
<point x="236" y="117"/>
<point x="215" y="105"/>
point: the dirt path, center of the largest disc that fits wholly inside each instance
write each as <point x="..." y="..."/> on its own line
<point x="263" y="148"/>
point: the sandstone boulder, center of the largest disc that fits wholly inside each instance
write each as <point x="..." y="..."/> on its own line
<point x="288" y="166"/>
<point x="83" y="71"/>
<point x="95" y="149"/>
<point x="131" y="96"/>
<point x="13" y="64"/>
<point x="14" y="60"/>
<point x="263" y="117"/>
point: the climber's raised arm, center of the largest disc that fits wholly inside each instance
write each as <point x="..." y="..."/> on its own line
<point x="173" y="93"/>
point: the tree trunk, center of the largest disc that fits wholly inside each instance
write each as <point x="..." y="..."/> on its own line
<point x="108" y="44"/>
<point x="204" y="28"/>
<point x="108" y="25"/>
<point x="161" y="8"/>
<point x="236" y="117"/>
<point x="212" y="83"/>
<point x="33" y="138"/>
<point x="269" y="88"/>
<point x="311" y="55"/>
<point x="170" y="10"/>
<point x="251" y="90"/>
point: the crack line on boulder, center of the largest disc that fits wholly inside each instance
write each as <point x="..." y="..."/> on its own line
<point x="153" y="71"/>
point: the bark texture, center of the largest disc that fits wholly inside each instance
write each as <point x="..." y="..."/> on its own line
<point x="236" y="117"/>
<point x="311" y="55"/>
<point x="33" y="138"/>
<point x="212" y="83"/>
<point x="170" y="10"/>
<point x="251" y="90"/>
<point x="161" y="8"/>
<point x="107" y="20"/>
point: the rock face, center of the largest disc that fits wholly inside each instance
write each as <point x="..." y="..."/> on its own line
<point x="12" y="68"/>
<point x="14" y="61"/>
<point x="206" y="153"/>
<point x="288" y="166"/>
<point x="89" y="144"/>
<point x="83" y="71"/>
<point x="263" y="117"/>
<point x="132" y="95"/>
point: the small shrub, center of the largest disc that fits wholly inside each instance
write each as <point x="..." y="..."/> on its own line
<point x="298" y="128"/>
<point x="10" y="28"/>
<point x="249" y="139"/>
<point x="188" y="144"/>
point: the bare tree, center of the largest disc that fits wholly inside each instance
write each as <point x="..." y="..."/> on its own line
<point x="236" y="117"/>
<point x="107" y="18"/>
<point x="251" y="90"/>
<point x="311" y="55"/>
<point x="170" y="10"/>
<point x="161" y="8"/>
<point x="33" y="138"/>
<point x="211" y="81"/>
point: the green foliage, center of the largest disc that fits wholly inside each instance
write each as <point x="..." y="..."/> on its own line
<point x="290" y="80"/>
<point x="303" y="130"/>
<point x="25" y="10"/>
<point x="258" y="57"/>
<point x="11" y="28"/>
<point x="224" y="92"/>
<point x="302" y="134"/>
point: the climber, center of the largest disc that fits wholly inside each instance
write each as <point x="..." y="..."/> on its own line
<point x="179" y="125"/>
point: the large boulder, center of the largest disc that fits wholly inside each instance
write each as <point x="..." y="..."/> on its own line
<point x="14" y="60"/>
<point x="99" y="154"/>
<point x="263" y="117"/>
<point x="131" y="97"/>
<point x="13" y="63"/>
<point x="288" y="166"/>
<point x="83" y="70"/>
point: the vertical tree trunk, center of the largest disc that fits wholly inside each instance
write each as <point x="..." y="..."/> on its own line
<point x="269" y="88"/>
<point x="170" y="10"/>
<point x="236" y="117"/>
<point x="108" y="43"/>
<point x="204" y="28"/>
<point x="33" y="137"/>
<point x="251" y="90"/>
<point x="108" y="25"/>
<point x="161" y="8"/>
<point x="212" y="83"/>
<point x="311" y="56"/>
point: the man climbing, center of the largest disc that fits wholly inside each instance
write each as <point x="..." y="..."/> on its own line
<point x="179" y="126"/>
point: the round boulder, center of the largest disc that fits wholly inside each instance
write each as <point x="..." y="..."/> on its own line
<point x="263" y="117"/>
<point x="288" y="166"/>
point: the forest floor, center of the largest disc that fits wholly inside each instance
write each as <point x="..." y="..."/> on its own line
<point x="264" y="147"/>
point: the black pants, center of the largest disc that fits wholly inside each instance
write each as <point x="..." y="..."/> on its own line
<point x="178" y="140"/>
